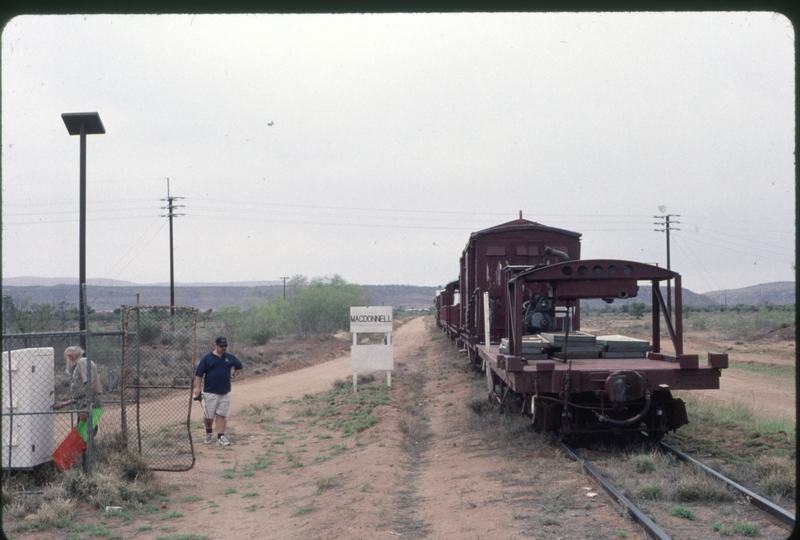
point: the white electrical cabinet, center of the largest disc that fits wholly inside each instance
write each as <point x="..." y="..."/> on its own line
<point x="28" y="379"/>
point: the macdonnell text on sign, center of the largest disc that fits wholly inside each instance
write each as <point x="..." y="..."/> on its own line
<point x="371" y="318"/>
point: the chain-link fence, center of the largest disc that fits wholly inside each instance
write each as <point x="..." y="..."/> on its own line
<point x="158" y="373"/>
<point x="35" y="377"/>
<point x="143" y="379"/>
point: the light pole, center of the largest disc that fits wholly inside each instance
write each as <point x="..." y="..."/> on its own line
<point x="83" y="124"/>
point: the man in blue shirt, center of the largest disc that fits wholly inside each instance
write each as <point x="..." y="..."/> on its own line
<point x="215" y="368"/>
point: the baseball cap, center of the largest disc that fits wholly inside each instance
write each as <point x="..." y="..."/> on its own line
<point x="221" y="341"/>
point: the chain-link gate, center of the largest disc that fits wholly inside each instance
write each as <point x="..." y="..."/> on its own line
<point x="158" y="361"/>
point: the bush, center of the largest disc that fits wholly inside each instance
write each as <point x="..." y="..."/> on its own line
<point x="698" y="322"/>
<point x="318" y="308"/>
<point x="322" y="308"/>
<point x="149" y="331"/>
<point x="698" y="489"/>
<point x="643" y="464"/>
<point x="637" y="309"/>
<point x="255" y="323"/>
<point x="777" y="476"/>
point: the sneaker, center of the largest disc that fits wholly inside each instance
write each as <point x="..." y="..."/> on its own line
<point x="223" y="441"/>
<point x="209" y="438"/>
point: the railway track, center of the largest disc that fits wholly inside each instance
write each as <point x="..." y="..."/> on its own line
<point x="651" y="529"/>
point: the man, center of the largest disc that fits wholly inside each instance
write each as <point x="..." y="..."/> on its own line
<point x="215" y="367"/>
<point x="78" y="371"/>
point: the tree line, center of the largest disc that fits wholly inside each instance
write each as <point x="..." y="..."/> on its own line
<point x="318" y="306"/>
<point x="638" y="309"/>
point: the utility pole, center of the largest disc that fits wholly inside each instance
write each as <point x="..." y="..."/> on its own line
<point x="284" y="286"/>
<point x="668" y="226"/>
<point x="170" y="208"/>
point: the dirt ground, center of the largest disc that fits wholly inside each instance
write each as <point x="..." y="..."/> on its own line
<point x="454" y="484"/>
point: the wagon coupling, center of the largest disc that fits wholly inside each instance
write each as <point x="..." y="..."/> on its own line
<point x="631" y="421"/>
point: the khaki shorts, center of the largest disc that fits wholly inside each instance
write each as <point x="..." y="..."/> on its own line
<point x="216" y="404"/>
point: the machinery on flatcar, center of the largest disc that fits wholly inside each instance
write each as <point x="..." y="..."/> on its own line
<point x="515" y="311"/>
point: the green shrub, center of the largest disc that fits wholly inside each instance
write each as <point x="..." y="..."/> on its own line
<point x="637" y="309"/>
<point x="682" y="512"/>
<point x="698" y="322"/>
<point x="698" y="489"/>
<point x="643" y="464"/>
<point x="149" y="331"/>
<point x="745" y="529"/>
<point x="321" y="307"/>
<point x="650" y="491"/>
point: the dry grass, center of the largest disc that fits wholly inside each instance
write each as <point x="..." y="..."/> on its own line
<point x="413" y="424"/>
<point x="326" y="483"/>
<point x="777" y="476"/>
<point x="120" y="477"/>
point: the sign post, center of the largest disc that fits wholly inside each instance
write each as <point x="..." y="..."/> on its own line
<point x="375" y="319"/>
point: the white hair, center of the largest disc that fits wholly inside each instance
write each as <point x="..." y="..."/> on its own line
<point x="74" y="349"/>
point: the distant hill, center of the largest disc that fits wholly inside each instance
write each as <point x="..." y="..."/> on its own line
<point x="31" y="281"/>
<point x="777" y="293"/>
<point x="108" y="298"/>
<point x="645" y="296"/>
<point x="402" y="296"/>
<point x="211" y="296"/>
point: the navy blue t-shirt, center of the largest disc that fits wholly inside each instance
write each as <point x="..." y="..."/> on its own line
<point x="217" y="372"/>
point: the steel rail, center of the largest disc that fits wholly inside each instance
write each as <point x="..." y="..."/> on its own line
<point x="756" y="500"/>
<point x="653" y="530"/>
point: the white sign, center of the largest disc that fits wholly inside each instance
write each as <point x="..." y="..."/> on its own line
<point x="371" y="319"/>
<point x="372" y="357"/>
<point x="365" y="320"/>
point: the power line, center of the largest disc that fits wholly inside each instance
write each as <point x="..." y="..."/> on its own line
<point x="700" y="261"/>
<point x="140" y="251"/>
<point x="760" y="241"/>
<point x="735" y="250"/>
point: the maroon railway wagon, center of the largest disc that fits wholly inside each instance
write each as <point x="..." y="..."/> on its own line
<point x="521" y="285"/>
<point x="447" y="304"/>
<point x="520" y="243"/>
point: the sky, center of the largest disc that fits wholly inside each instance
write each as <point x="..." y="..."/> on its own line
<point x="371" y="146"/>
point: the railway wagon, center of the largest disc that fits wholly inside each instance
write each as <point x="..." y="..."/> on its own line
<point x="447" y="304"/>
<point x="518" y="243"/>
<point x="521" y="326"/>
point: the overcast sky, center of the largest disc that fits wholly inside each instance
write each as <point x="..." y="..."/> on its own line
<point x="370" y="146"/>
